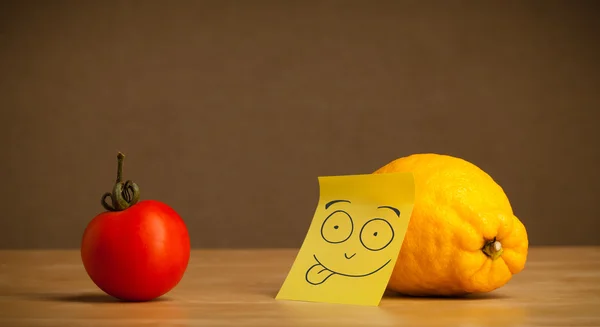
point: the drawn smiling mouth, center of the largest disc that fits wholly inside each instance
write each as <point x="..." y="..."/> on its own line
<point x="318" y="273"/>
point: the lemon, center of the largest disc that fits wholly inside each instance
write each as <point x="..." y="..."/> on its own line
<point x="463" y="236"/>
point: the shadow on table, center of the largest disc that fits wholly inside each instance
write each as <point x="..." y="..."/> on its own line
<point x="393" y="295"/>
<point x="82" y="298"/>
<point x="469" y="297"/>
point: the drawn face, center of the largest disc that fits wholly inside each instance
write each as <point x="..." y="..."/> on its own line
<point x="351" y="241"/>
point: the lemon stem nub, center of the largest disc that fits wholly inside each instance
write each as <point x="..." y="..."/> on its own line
<point x="493" y="249"/>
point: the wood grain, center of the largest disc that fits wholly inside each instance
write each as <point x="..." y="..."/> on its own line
<point x="559" y="287"/>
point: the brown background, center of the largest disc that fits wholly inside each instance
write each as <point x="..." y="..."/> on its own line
<point x="229" y="111"/>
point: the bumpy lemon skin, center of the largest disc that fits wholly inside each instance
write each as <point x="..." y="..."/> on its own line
<point x="458" y="209"/>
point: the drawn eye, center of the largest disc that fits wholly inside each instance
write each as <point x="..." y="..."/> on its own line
<point x="376" y="234"/>
<point x="337" y="227"/>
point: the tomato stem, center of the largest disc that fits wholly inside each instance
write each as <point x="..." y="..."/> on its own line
<point x="493" y="249"/>
<point x="120" y="158"/>
<point x="124" y="194"/>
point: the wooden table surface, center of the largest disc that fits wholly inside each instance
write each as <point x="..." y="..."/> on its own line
<point x="559" y="287"/>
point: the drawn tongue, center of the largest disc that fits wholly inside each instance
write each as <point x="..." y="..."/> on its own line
<point x="317" y="274"/>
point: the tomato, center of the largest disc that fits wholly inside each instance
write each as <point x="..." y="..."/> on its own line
<point x="135" y="251"/>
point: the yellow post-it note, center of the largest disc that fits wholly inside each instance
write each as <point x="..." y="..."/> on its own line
<point x="353" y="241"/>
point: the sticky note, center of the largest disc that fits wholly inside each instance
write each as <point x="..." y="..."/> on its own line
<point x="353" y="241"/>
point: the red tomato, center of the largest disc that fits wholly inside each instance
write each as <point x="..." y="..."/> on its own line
<point x="136" y="253"/>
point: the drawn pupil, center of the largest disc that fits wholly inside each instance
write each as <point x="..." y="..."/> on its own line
<point x="375" y="234"/>
<point x="336" y="227"/>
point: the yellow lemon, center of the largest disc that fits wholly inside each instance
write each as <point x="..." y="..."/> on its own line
<point x="463" y="236"/>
